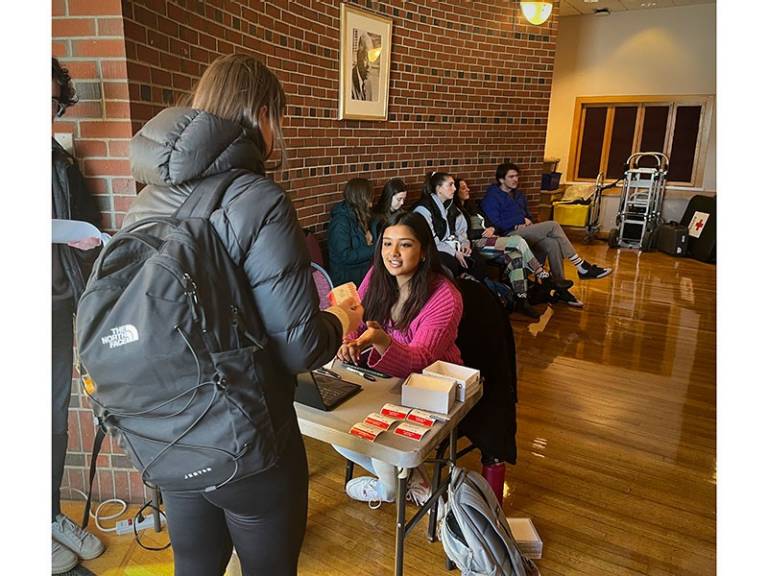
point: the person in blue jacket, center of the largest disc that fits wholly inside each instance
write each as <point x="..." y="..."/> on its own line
<point x="506" y="208"/>
<point x="352" y="233"/>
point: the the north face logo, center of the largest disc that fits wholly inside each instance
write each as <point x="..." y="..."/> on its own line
<point x="121" y="335"/>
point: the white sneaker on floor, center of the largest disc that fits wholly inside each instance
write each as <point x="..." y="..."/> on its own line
<point x="419" y="487"/>
<point x="365" y="489"/>
<point x="62" y="559"/>
<point x="79" y="541"/>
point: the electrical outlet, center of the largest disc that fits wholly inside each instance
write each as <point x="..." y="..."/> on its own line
<point x="126" y="526"/>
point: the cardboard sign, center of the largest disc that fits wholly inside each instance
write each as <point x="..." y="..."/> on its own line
<point x="697" y="224"/>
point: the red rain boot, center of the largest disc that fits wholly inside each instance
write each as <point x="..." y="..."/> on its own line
<point x="494" y="475"/>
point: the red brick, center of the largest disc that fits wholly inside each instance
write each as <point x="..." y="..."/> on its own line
<point x="71" y="27"/>
<point x="90" y="148"/>
<point x="85" y="109"/>
<point x="110" y="26"/>
<point x="106" y="167"/>
<point x="98" y="48"/>
<point x="118" y="149"/>
<point x="95" y="8"/>
<point x="82" y="69"/>
<point x="125" y="186"/>
<point x="119" y="109"/>
<point x="115" y="91"/>
<point x="124" y="203"/>
<point x="58" y="7"/>
<point x="96" y="186"/>
<point x="116" y="129"/>
<point x="60" y="49"/>
<point x="114" y="69"/>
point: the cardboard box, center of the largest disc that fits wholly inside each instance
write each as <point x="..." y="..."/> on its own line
<point x="429" y="393"/>
<point x="571" y="214"/>
<point x="466" y="379"/>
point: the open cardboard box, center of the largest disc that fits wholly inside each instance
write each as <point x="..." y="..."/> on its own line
<point x="429" y="393"/>
<point x="464" y="377"/>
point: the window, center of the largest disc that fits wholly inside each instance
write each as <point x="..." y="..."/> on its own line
<point x="607" y="130"/>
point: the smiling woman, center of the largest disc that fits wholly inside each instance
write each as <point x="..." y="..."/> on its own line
<point x="412" y="313"/>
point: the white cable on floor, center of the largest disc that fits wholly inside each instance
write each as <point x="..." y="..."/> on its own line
<point x="95" y="513"/>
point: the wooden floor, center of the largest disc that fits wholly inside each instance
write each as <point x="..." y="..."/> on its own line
<point x="616" y="437"/>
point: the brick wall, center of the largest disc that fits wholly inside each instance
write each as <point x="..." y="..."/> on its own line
<point x="469" y="88"/>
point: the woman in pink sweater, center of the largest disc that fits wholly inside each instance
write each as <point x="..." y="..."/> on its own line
<point x="412" y="312"/>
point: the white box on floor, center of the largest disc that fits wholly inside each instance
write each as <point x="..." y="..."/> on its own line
<point x="466" y="378"/>
<point x="429" y="393"/>
<point x="528" y="540"/>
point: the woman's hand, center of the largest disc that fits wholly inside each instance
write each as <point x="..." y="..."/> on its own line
<point x="374" y="336"/>
<point x="488" y="232"/>
<point x="354" y="312"/>
<point x="466" y="249"/>
<point x="349" y="352"/>
<point x="528" y="222"/>
<point x="462" y="261"/>
<point x="85" y="243"/>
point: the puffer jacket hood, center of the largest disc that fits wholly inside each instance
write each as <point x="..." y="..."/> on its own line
<point x="183" y="144"/>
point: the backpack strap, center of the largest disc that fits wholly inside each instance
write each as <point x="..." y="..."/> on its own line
<point x="207" y="194"/>
<point x="97" y="442"/>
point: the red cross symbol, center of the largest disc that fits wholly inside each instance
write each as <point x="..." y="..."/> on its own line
<point x="699" y="225"/>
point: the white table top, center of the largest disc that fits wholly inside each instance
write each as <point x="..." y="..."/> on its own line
<point x="332" y="427"/>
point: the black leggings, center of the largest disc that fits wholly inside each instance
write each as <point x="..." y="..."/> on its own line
<point x="264" y="516"/>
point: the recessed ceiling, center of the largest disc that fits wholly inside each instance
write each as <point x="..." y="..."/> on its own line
<point x="581" y="7"/>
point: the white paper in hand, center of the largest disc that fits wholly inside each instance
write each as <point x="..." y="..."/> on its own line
<point x="65" y="231"/>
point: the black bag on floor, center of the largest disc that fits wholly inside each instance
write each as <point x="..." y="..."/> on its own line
<point x="172" y="352"/>
<point x="672" y="239"/>
<point x="700" y="220"/>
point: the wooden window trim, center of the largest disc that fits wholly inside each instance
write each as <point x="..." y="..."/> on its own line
<point x="706" y="102"/>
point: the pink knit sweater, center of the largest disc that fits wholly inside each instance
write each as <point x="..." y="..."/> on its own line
<point x="431" y="336"/>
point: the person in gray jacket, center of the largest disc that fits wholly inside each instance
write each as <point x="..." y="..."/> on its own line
<point x="234" y="123"/>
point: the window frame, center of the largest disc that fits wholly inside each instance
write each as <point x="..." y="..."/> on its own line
<point x="706" y="101"/>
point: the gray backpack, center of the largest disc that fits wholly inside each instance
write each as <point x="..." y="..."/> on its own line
<point x="475" y="533"/>
<point x="173" y="354"/>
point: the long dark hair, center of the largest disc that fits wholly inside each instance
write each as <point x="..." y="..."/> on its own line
<point x="468" y="206"/>
<point x="383" y="207"/>
<point x="358" y="194"/>
<point x="383" y="290"/>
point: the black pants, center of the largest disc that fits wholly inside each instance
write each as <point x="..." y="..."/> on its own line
<point x="61" y="380"/>
<point x="263" y="516"/>
<point x="475" y="265"/>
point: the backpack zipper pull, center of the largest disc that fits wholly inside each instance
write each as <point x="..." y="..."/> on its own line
<point x="190" y="289"/>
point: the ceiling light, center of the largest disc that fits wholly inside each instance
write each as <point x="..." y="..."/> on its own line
<point x="536" y="12"/>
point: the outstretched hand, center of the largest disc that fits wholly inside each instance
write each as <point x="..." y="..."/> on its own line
<point x="85" y="243"/>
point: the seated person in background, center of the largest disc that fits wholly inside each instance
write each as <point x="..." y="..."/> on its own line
<point x="506" y="208"/>
<point x="412" y="313"/>
<point x="391" y="200"/>
<point x="351" y="235"/>
<point x="514" y="248"/>
<point x="449" y="227"/>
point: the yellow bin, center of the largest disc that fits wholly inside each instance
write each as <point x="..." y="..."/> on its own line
<point x="571" y="214"/>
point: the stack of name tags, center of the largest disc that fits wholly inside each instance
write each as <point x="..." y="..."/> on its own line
<point x="426" y="398"/>
<point x="527" y="539"/>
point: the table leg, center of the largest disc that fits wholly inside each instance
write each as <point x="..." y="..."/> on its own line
<point x="436" y="476"/>
<point x="350" y="472"/>
<point x="402" y="486"/>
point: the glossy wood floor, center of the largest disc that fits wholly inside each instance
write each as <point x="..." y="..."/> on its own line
<point x="616" y="439"/>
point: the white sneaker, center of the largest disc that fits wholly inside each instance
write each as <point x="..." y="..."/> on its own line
<point x="79" y="541"/>
<point x="365" y="489"/>
<point x="419" y="487"/>
<point x="62" y="559"/>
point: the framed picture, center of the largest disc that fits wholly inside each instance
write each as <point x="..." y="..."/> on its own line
<point x="365" y="47"/>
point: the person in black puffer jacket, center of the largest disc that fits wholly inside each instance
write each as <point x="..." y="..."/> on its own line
<point x="234" y="123"/>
